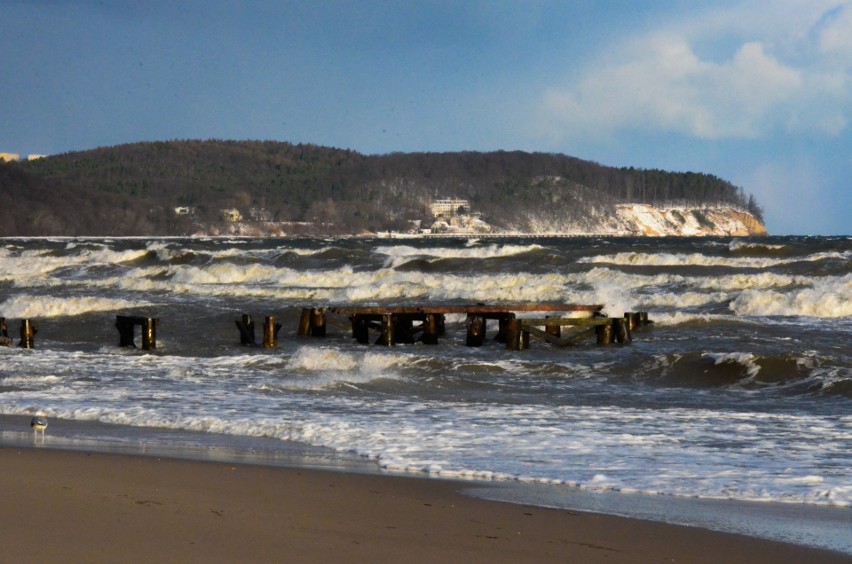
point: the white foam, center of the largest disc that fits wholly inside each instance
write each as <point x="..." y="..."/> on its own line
<point x="679" y="317"/>
<point x="746" y="360"/>
<point x="827" y="297"/>
<point x="27" y="306"/>
<point x="750" y="280"/>
<point x="599" y="447"/>
<point x="739" y="244"/>
<point x="698" y="259"/>
<point x="400" y="254"/>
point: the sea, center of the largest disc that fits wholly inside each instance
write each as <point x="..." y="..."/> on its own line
<point x="731" y="411"/>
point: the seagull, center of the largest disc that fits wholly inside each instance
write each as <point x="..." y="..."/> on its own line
<point x="38" y="423"/>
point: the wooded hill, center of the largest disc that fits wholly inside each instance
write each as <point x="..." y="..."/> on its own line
<point x="133" y="189"/>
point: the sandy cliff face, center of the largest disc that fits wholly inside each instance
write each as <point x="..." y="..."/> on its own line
<point x="644" y="219"/>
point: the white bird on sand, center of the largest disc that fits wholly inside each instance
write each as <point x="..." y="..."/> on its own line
<point x="38" y="423"/>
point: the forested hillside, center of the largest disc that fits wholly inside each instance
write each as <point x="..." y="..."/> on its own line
<point x="133" y="189"/>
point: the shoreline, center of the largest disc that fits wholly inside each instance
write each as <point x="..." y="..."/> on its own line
<point x="81" y="506"/>
<point x="803" y="526"/>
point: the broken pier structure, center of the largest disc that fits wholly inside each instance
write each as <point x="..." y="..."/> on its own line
<point x="410" y="324"/>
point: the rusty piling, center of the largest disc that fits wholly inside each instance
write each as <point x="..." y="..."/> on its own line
<point x="270" y="332"/>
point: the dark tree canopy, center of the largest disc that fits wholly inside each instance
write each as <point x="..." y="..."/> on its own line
<point x="133" y="189"/>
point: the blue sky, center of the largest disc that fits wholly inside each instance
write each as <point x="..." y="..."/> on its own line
<point x="756" y="92"/>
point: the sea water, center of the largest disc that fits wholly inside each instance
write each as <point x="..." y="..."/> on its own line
<point x="740" y="392"/>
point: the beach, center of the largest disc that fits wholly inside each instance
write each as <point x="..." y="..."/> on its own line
<point x="730" y="413"/>
<point x="84" y="506"/>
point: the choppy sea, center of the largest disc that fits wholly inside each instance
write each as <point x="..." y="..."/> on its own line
<point x="738" y="396"/>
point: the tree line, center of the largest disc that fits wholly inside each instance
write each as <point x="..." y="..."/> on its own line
<point x="133" y="189"/>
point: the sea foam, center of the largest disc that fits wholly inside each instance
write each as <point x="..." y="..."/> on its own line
<point x="27" y="306"/>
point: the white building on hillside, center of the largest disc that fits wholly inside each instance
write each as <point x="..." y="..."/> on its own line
<point x="449" y="207"/>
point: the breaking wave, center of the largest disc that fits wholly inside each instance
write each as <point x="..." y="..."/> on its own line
<point x="698" y="259"/>
<point x="41" y="306"/>
<point x="827" y="297"/>
<point x="398" y="255"/>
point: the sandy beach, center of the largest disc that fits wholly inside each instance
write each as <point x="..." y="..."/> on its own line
<point x="78" y="506"/>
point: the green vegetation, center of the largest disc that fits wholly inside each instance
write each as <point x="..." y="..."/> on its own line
<point x="133" y="189"/>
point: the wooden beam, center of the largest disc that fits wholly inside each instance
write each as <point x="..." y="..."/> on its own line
<point x="563" y="321"/>
<point x="478" y="309"/>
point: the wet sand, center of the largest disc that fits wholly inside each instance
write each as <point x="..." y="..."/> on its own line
<point x="78" y="506"/>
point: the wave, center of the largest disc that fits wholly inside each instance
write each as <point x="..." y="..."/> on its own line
<point x="826" y="298"/>
<point x="742" y="247"/>
<point x="327" y="358"/>
<point x="27" y="306"/>
<point x="796" y="374"/>
<point x="401" y="254"/>
<point x="697" y="259"/>
<point x="681" y="452"/>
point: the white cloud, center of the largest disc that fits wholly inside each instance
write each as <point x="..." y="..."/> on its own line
<point x="835" y="35"/>
<point x="773" y="79"/>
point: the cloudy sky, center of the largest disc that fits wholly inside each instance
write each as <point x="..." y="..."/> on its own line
<point x="756" y="92"/>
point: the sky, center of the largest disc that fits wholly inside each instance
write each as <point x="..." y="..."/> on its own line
<point x="756" y="92"/>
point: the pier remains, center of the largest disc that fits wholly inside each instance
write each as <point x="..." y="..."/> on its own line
<point x="560" y="325"/>
<point x="126" y="324"/>
<point x="426" y="324"/>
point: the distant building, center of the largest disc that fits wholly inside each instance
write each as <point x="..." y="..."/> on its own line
<point x="9" y="157"/>
<point x="184" y="210"/>
<point x="232" y="215"/>
<point x="449" y="207"/>
<point x="260" y="214"/>
<point x="453" y="215"/>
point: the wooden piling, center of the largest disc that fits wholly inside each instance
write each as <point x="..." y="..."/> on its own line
<point x="125" y="325"/>
<point x="502" y="335"/>
<point x="403" y="329"/>
<point x="304" y="323"/>
<point x="5" y="341"/>
<point x="430" y="329"/>
<point x="513" y="334"/>
<point x="28" y="333"/>
<point x="605" y="334"/>
<point x="125" y="331"/>
<point x="621" y="329"/>
<point x="386" y="338"/>
<point x="643" y="318"/>
<point x="246" y="327"/>
<point x="361" y="328"/>
<point x="318" y="326"/>
<point x="555" y="330"/>
<point x="149" y="334"/>
<point x="270" y="332"/>
<point x="475" y="330"/>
